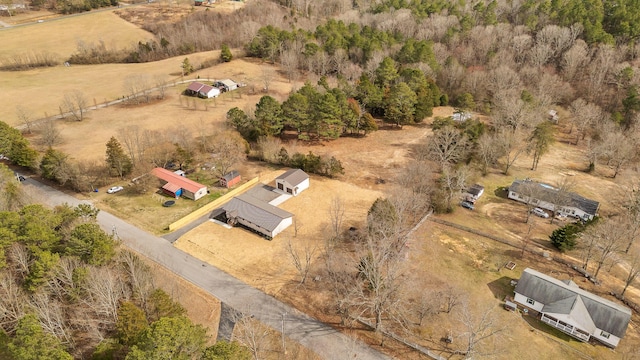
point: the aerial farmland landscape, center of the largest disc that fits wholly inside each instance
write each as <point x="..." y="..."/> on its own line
<point x="327" y="179"/>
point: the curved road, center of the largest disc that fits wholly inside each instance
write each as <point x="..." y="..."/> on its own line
<point x="315" y="335"/>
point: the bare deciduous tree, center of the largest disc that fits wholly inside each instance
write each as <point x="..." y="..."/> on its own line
<point x="131" y="138"/>
<point x="12" y="301"/>
<point x="104" y="290"/>
<point x="52" y="317"/>
<point x="336" y="215"/>
<point x="512" y="145"/>
<point x="50" y="135"/>
<point x="252" y="334"/>
<point x="584" y="116"/>
<point x="25" y="116"/>
<point x="75" y="103"/>
<point x="488" y="150"/>
<point x="610" y="241"/>
<point x="452" y="182"/>
<point x="526" y="240"/>
<point x="267" y="75"/>
<point x="574" y="59"/>
<point x="478" y="330"/>
<point x="228" y="149"/>
<point x="620" y="149"/>
<point x="633" y="270"/>
<point x="139" y="276"/>
<point x="301" y="254"/>
<point x="446" y="146"/>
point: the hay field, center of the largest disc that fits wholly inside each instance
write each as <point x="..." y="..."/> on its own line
<point x="42" y="90"/>
<point x="61" y="36"/>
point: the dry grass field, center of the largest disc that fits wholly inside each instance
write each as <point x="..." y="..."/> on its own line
<point x="62" y="35"/>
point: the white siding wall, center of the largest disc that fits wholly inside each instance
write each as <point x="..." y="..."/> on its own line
<point x="285" y="223"/>
<point x="521" y="299"/>
<point x="202" y="192"/>
<point x="611" y="341"/>
<point x="303" y="185"/>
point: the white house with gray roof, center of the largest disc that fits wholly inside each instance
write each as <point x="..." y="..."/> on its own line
<point x="579" y="313"/>
<point x="293" y="181"/>
<point x="257" y="215"/>
<point x="547" y="197"/>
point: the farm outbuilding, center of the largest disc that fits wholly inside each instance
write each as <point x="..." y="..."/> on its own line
<point x="225" y="85"/>
<point x="229" y="179"/>
<point x="293" y="182"/>
<point x="176" y="185"/>
<point x="473" y="193"/>
<point x="256" y="215"/>
<point x="201" y="90"/>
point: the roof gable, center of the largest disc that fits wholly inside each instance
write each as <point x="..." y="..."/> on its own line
<point x="195" y="86"/>
<point x="294" y="177"/>
<point x="605" y="314"/>
<point x="231" y="175"/>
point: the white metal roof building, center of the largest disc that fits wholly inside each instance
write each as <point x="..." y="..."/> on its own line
<point x="257" y="215"/>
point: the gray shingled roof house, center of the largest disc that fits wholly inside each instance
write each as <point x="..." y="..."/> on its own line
<point x="546" y="195"/>
<point x="293" y="181"/>
<point x="257" y="215"/>
<point x="579" y="313"/>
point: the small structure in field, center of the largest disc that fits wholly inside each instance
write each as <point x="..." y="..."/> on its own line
<point x="293" y="182"/>
<point x="576" y="312"/>
<point x="473" y="193"/>
<point x="229" y="179"/>
<point x="176" y="185"/>
<point x="461" y="116"/>
<point x="225" y="85"/>
<point x="202" y="91"/>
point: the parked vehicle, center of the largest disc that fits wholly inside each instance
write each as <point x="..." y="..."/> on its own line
<point x="114" y="189"/>
<point x="540" y="212"/>
<point x="467" y="205"/>
<point x="562" y="217"/>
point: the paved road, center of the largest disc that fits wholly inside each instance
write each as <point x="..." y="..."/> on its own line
<point x="321" y="338"/>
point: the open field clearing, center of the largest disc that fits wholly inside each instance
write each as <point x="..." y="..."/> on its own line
<point x="99" y="83"/>
<point x="266" y="264"/>
<point x="61" y="36"/>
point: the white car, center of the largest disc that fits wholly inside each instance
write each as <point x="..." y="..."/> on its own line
<point x="114" y="189"/>
<point x="540" y="212"/>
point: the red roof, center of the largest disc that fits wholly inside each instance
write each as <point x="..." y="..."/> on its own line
<point x="172" y="188"/>
<point x="195" y="86"/>
<point x="177" y="180"/>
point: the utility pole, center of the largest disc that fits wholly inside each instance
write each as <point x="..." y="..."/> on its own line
<point x="284" y="349"/>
